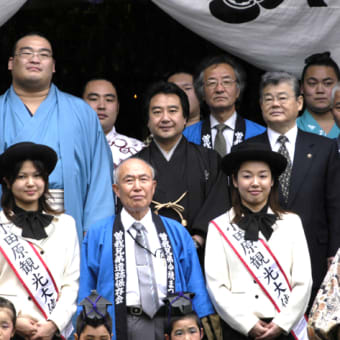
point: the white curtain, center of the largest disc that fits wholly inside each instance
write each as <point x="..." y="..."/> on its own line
<point x="8" y="8"/>
<point x="271" y="34"/>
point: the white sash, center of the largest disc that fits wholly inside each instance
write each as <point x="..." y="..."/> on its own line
<point x="32" y="272"/>
<point x="264" y="267"/>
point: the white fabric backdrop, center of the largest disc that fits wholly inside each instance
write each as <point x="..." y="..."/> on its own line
<point x="272" y="39"/>
<point x="8" y="8"/>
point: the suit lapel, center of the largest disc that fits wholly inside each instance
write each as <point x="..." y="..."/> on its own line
<point x="305" y="153"/>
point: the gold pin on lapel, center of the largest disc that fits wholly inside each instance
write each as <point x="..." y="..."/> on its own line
<point x="309" y="155"/>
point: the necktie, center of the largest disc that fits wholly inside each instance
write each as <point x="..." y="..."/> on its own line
<point x="146" y="273"/>
<point x="220" y="144"/>
<point x="285" y="176"/>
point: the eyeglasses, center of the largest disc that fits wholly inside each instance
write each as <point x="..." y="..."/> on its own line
<point x="281" y="98"/>
<point x="226" y="83"/>
<point x="28" y="54"/>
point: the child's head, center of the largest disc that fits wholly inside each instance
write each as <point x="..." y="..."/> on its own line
<point x="8" y="317"/>
<point x="94" y="322"/>
<point x="184" y="327"/>
<point x="96" y="329"/>
<point x="182" y="321"/>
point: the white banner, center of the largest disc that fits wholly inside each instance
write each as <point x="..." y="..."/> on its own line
<point x="8" y="8"/>
<point x="270" y="34"/>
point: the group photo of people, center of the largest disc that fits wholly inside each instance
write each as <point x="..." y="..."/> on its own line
<point x="205" y="224"/>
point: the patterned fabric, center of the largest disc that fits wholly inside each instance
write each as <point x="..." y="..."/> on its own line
<point x="122" y="147"/>
<point x="146" y="272"/>
<point x="324" y="318"/>
<point x="285" y="176"/>
<point x="220" y="142"/>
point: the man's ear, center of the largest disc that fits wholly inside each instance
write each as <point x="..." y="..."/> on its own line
<point x="115" y="189"/>
<point x="10" y="63"/>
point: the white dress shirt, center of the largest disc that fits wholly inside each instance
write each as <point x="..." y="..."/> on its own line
<point x="228" y="133"/>
<point x="290" y="145"/>
<point x="159" y="262"/>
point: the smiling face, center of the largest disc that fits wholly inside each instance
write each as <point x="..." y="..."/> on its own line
<point x="166" y="120"/>
<point x="32" y="71"/>
<point x="135" y="187"/>
<point x="280" y="107"/>
<point x="254" y="182"/>
<point x="317" y="88"/>
<point x="101" y="95"/>
<point x="6" y="324"/>
<point x="27" y="187"/>
<point x="220" y="88"/>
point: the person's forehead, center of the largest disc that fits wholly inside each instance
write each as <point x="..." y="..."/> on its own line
<point x="100" y="87"/>
<point x="95" y="331"/>
<point x="33" y="41"/>
<point x="320" y="72"/>
<point x="165" y="99"/>
<point x="282" y="87"/>
<point x="181" y="78"/>
<point x="254" y="165"/>
<point x="222" y="69"/>
<point x="134" y="167"/>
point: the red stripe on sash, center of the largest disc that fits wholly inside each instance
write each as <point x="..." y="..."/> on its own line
<point x="23" y="283"/>
<point x="47" y="269"/>
<point x="245" y="264"/>
<point x="277" y="262"/>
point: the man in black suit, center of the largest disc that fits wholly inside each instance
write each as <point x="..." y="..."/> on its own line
<point x="312" y="187"/>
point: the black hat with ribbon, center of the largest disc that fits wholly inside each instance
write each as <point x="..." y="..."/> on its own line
<point x="253" y="152"/>
<point x="27" y="151"/>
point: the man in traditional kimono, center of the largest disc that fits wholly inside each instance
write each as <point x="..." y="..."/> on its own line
<point x="114" y="249"/>
<point x="219" y="84"/>
<point x="102" y="96"/>
<point x="191" y="188"/>
<point x="319" y="76"/>
<point x="33" y="109"/>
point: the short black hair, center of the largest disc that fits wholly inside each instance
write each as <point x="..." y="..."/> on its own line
<point x="163" y="87"/>
<point x="320" y="59"/>
<point x="168" y="326"/>
<point x="30" y="34"/>
<point x="82" y="322"/>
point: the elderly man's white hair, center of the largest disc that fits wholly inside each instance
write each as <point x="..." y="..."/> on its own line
<point x="117" y="170"/>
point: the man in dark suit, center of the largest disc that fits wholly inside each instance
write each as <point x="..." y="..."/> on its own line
<point x="312" y="185"/>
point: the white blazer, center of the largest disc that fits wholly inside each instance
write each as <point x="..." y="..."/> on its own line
<point x="60" y="251"/>
<point x="237" y="297"/>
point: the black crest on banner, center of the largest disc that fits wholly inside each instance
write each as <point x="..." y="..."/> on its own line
<point x="241" y="11"/>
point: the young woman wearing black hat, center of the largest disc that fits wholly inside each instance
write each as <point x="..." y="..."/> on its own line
<point x="39" y="266"/>
<point x="257" y="262"/>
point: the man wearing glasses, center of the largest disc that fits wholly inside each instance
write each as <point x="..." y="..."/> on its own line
<point x="219" y="84"/>
<point x="137" y="258"/>
<point x="33" y="109"/>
